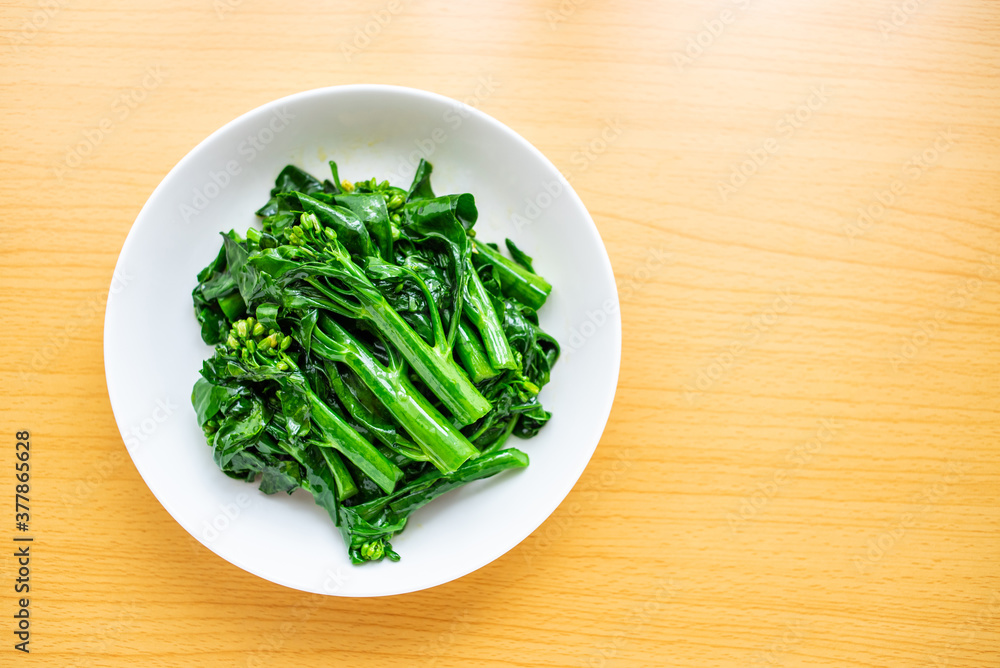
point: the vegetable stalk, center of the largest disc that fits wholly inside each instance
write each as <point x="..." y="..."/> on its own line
<point x="516" y="281"/>
<point x="444" y="445"/>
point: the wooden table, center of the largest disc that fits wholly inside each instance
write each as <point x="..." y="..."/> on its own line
<point x="801" y="467"/>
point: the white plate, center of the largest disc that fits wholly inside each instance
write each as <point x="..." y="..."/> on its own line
<point x="153" y="351"/>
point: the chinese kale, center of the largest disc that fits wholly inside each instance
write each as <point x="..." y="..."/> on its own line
<point x="369" y="350"/>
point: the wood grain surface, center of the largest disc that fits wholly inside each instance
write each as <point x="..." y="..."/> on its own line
<point x="801" y="467"/>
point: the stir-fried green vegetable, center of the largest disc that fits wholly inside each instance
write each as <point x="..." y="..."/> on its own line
<point x="369" y="351"/>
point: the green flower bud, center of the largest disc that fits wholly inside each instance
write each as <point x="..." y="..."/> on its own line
<point x="372" y="550"/>
<point x="251" y="346"/>
<point x="286" y="342"/>
<point x="232" y="342"/>
<point x="241" y="328"/>
<point x="282" y="366"/>
<point x="258" y="330"/>
<point x="264" y="344"/>
<point x="528" y="390"/>
<point x="309" y="221"/>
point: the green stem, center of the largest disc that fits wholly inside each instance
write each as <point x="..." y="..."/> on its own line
<point x="376" y="426"/>
<point x="484" y="467"/>
<point x="342" y="437"/>
<point x="515" y="281"/>
<point x="379" y="428"/>
<point x="478" y="307"/>
<point x="443" y="444"/>
<point x="345" y="483"/>
<point x="471" y="354"/>
<point x="436" y="367"/>
<point x="428" y="487"/>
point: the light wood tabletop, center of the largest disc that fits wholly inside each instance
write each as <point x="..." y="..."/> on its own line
<point x="800" y="202"/>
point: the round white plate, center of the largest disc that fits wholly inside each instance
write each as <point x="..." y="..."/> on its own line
<point x="153" y="351"/>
